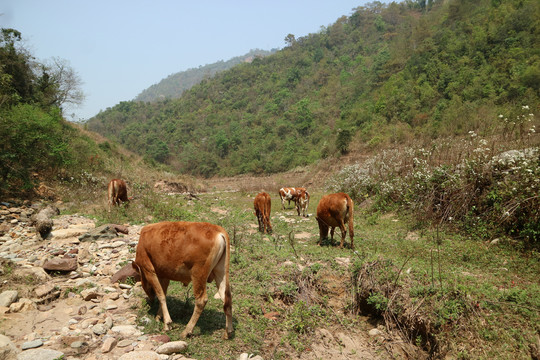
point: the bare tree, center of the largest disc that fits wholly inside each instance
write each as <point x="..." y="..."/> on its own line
<point x="60" y="84"/>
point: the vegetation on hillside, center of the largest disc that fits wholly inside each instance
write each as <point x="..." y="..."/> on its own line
<point x="173" y="86"/>
<point x="385" y="74"/>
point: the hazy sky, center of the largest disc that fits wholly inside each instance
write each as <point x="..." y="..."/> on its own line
<point x="121" y="47"/>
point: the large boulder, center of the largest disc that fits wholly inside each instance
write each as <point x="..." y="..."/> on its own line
<point x="8" y="350"/>
<point x="61" y="264"/>
<point x="8" y="297"/>
<point x="104" y="232"/>
<point x="43" y="220"/>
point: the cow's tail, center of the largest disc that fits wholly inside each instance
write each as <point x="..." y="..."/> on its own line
<point x="224" y="292"/>
<point x="224" y="287"/>
<point x="350" y="208"/>
<point x="110" y="194"/>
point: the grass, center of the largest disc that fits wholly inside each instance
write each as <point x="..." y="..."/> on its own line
<point x="444" y="292"/>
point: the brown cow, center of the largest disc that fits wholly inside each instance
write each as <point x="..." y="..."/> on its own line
<point x="117" y="192"/>
<point x="302" y="202"/>
<point x="335" y="210"/>
<point x="183" y="251"/>
<point x="288" y="194"/>
<point x="262" y="205"/>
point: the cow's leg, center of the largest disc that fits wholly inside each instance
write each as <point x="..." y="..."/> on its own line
<point x="164" y="286"/>
<point x="154" y="282"/>
<point x="343" y="233"/>
<point x="261" y="221"/>
<point x="323" y="230"/>
<point x="268" y="225"/>
<point x="201" y="298"/>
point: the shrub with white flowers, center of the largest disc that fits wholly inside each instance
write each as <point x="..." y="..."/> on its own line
<point x="482" y="191"/>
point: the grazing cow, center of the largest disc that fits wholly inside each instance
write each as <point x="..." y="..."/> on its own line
<point x="302" y="202"/>
<point x="117" y="192"/>
<point x="262" y="205"/>
<point x="183" y="251"/>
<point x="288" y="194"/>
<point x="335" y="210"/>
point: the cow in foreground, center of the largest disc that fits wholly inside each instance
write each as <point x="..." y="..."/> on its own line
<point x="117" y="193"/>
<point x="195" y="252"/>
<point x="302" y="202"/>
<point x="262" y="205"/>
<point x="335" y="210"/>
<point x="288" y="194"/>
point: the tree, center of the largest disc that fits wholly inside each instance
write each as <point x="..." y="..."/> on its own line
<point x="23" y="80"/>
<point x="59" y="84"/>
<point x="16" y="76"/>
<point x="290" y="39"/>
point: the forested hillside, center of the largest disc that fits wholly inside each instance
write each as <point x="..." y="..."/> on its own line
<point x="174" y="85"/>
<point x="385" y="74"/>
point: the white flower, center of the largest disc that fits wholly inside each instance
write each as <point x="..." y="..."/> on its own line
<point x="525" y="107"/>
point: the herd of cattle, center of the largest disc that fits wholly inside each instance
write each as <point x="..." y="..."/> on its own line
<point x="199" y="252"/>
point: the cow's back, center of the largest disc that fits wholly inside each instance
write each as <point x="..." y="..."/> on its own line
<point x="332" y="208"/>
<point x="171" y="249"/>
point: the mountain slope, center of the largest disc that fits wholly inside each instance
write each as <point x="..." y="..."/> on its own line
<point x="174" y="85"/>
<point x="385" y="74"/>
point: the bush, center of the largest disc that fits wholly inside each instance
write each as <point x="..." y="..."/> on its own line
<point x="483" y="192"/>
<point x="32" y="140"/>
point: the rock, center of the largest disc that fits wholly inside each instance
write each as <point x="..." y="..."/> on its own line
<point x="67" y="233"/>
<point x="89" y="294"/>
<point x="374" y="332"/>
<point x="121" y="229"/>
<point x="140" y="355"/>
<point x="112" y="245"/>
<point x="108" y="344"/>
<point x="126" y="272"/>
<point x="21" y="306"/>
<point x="43" y="220"/>
<point x="8" y="350"/>
<point x="4" y="228"/>
<point x="32" y="344"/>
<point x="126" y="330"/>
<point x="36" y="273"/>
<point x="124" y="343"/>
<point x="61" y="264"/>
<point x="99" y="329"/>
<point x="44" y="290"/>
<point x="104" y="232"/>
<point x="40" y="354"/>
<point x="78" y="344"/>
<point x="8" y="297"/>
<point x="68" y="340"/>
<point x="161" y="338"/>
<point x="111" y="306"/>
<point x="172" y="347"/>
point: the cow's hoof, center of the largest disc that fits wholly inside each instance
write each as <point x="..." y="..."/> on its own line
<point x="185" y="334"/>
<point x="227" y="335"/>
